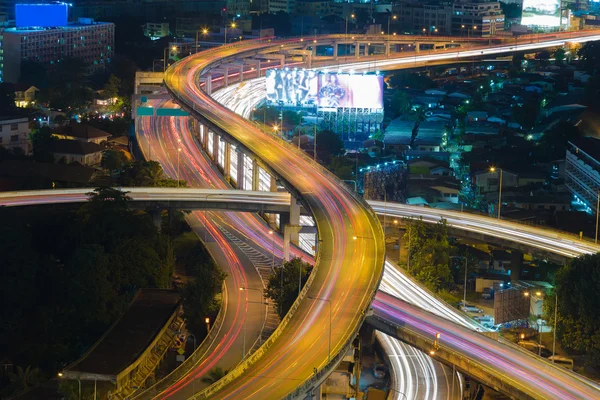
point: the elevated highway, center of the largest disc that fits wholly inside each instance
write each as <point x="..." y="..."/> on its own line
<point x="545" y="242"/>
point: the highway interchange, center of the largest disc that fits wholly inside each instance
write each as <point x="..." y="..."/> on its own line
<point x="255" y="380"/>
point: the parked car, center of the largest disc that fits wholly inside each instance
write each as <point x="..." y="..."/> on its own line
<point x="471" y="309"/>
<point x="379" y="371"/>
<point x="535" y="348"/>
<point x="562" y="361"/>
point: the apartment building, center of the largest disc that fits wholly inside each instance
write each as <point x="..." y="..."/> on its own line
<point x="87" y="40"/>
<point x="480" y="19"/>
<point x="582" y="171"/>
<point x="14" y="132"/>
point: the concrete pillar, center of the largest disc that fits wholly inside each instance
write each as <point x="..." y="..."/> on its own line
<point x="308" y="61"/>
<point x="516" y="260"/>
<point x="241" y="72"/>
<point x="335" y="50"/>
<point x="205" y="138"/>
<point x="208" y="84"/>
<point x="255" y="175"/>
<point x="240" y="170"/>
<point x="417" y="47"/>
<point x="290" y="235"/>
<point x="227" y="161"/>
<point x="387" y="48"/>
<point x="356" y="49"/>
<point x="215" y="149"/>
<point x="282" y="63"/>
<point x="156" y="219"/>
<point x="314" y="50"/>
<point x="273" y="217"/>
<point x="226" y="76"/>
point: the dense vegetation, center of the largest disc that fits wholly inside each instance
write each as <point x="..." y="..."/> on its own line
<point x="288" y="275"/>
<point x="66" y="276"/>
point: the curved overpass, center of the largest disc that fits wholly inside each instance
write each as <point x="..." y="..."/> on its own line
<point x="346" y="273"/>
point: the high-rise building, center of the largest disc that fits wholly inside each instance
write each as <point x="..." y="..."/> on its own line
<point x="582" y="171"/>
<point x="464" y="17"/>
<point x="43" y="35"/>
<point x="89" y="41"/>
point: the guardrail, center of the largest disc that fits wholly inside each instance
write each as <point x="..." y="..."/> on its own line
<point x="199" y="354"/>
<point x="378" y="237"/>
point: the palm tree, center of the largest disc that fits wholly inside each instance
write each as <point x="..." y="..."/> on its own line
<point x="214" y="375"/>
<point x="25" y="378"/>
<point x="154" y="173"/>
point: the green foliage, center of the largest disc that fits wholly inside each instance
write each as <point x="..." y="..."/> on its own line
<point x="148" y="174"/>
<point x="527" y="114"/>
<point x="342" y="167"/>
<point x="111" y="87"/>
<point x="578" y="324"/>
<point x="410" y="80"/>
<point x="329" y="145"/>
<point x="429" y="253"/>
<point x="215" y="375"/>
<point x="589" y="57"/>
<point x="7" y="99"/>
<point x="199" y="295"/>
<point x="554" y="142"/>
<point x="112" y="160"/>
<point x="401" y="103"/>
<point x="289" y="275"/>
<point x="559" y="55"/>
<point x="41" y="141"/>
<point x="68" y="275"/>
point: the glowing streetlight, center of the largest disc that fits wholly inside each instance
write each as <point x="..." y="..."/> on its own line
<point x="493" y="169"/>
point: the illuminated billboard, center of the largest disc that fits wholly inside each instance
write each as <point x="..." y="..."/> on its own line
<point x="308" y="88"/>
<point x="41" y="15"/>
<point x="541" y="13"/>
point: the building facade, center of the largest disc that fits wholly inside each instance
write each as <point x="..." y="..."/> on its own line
<point x="14" y="133"/>
<point x="89" y="41"/>
<point x="582" y="171"/>
<point x="468" y="18"/>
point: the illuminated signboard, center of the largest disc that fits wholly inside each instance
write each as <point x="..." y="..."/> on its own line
<point x="308" y="88"/>
<point x="541" y="13"/>
<point x="41" y="15"/>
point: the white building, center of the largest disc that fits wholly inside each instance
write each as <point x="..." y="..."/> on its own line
<point x="582" y="171"/>
<point x="14" y="132"/>
<point x="92" y="42"/>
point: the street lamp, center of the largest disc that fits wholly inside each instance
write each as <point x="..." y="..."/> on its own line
<point x="245" y="289"/>
<point x="193" y="350"/>
<point x="554" y="329"/>
<point x="389" y="19"/>
<point x="465" y="288"/>
<point x="538" y="294"/>
<point x="204" y="33"/>
<point x="178" y="152"/>
<point x="493" y="169"/>
<point x="328" y="302"/>
<point x="174" y="48"/>
<point x="233" y="25"/>
<point x="346" y="38"/>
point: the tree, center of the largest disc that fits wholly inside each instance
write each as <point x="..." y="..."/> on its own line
<point x="41" y="141"/>
<point x="429" y="253"/>
<point x="589" y="57"/>
<point x="111" y="87"/>
<point x="410" y="80"/>
<point x="329" y="144"/>
<point x="34" y="73"/>
<point x="527" y="114"/>
<point x="517" y="60"/>
<point x="26" y="378"/>
<point x="113" y="160"/>
<point x="7" y="98"/>
<point x="401" y="103"/>
<point x="559" y="55"/>
<point x="554" y="142"/>
<point x="215" y="375"/>
<point x="289" y="275"/>
<point x="543" y="56"/>
<point x="578" y="324"/>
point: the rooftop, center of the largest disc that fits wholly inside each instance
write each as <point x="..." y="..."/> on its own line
<point x="133" y="332"/>
<point x="65" y="146"/>
<point x="54" y="172"/>
<point x="82" y="131"/>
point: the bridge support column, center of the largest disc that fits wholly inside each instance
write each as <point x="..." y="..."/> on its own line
<point x="357" y="49"/>
<point x="208" y="84"/>
<point x="314" y="50"/>
<point x="273" y="217"/>
<point x="156" y="218"/>
<point x="516" y="259"/>
<point x="226" y="76"/>
<point x="215" y="149"/>
<point x="203" y="135"/>
<point x="240" y="170"/>
<point x="290" y="232"/>
<point x="335" y="50"/>
<point x="227" y="161"/>
<point x="255" y="175"/>
<point x="387" y="48"/>
<point x="241" y="72"/>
